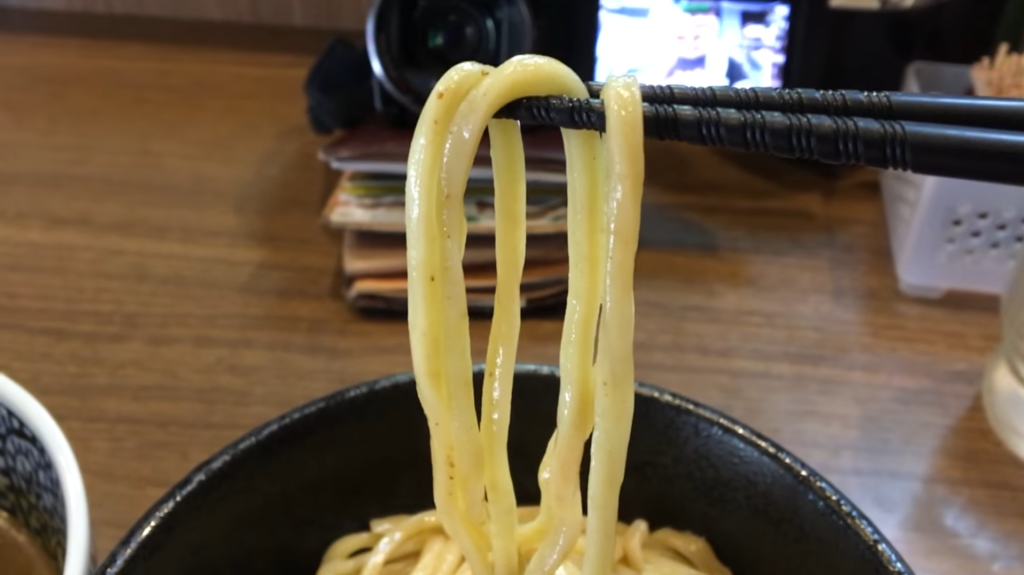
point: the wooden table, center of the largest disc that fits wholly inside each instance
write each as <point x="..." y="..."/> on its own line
<point x="165" y="287"/>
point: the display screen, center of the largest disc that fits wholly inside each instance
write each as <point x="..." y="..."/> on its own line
<point x="693" y="43"/>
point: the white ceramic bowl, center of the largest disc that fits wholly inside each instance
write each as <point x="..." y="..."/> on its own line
<point x="40" y="483"/>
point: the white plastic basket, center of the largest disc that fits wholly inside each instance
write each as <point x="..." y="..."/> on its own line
<point x="947" y="234"/>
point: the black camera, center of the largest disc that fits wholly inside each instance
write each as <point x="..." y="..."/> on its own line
<point x="411" y="43"/>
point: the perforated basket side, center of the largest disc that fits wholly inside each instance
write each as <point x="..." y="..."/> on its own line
<point x="958" y="235"/>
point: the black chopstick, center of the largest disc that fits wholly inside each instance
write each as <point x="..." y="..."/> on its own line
<point x="935" y="149"/>
<point x="996" y="113"/>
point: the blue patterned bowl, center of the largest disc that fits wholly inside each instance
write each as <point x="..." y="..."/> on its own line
<point x="40" y="484"/>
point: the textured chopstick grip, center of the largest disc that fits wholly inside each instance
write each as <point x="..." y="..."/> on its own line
<point x="996" y="113"/>
<point x="952" y="151"/>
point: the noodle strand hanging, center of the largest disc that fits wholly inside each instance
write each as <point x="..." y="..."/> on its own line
<point x="477" y="528"/>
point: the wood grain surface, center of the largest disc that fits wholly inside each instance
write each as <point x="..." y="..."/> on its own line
<point x="165" y="287"/>
<point x="349" y="15"/>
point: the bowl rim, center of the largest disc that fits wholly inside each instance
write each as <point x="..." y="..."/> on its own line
<point x="78" y="538"/>
<point x="803" y="473"/>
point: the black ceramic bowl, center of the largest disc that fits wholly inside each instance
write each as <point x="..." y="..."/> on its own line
<point x="272" y="502"/>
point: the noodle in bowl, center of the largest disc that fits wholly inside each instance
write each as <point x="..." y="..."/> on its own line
<point x="272" y="502"/>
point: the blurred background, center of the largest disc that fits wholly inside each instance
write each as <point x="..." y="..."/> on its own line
<point x="201" y="227"/>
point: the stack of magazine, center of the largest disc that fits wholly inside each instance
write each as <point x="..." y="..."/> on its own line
<point x="367" y="210"/>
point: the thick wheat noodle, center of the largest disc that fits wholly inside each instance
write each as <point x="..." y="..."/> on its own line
<point x="633" y="544"/>
<point x="533" y="76"/>
<point x="664" y="552"/>
<point x="478" y="528"/>
<point x="613" y="395"/>
<point x="507" y="157"/>
<point x="440" y="345"/>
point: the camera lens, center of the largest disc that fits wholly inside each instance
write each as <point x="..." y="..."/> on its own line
<point x="458" y="34"/>
<point x="412" y="42"/>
